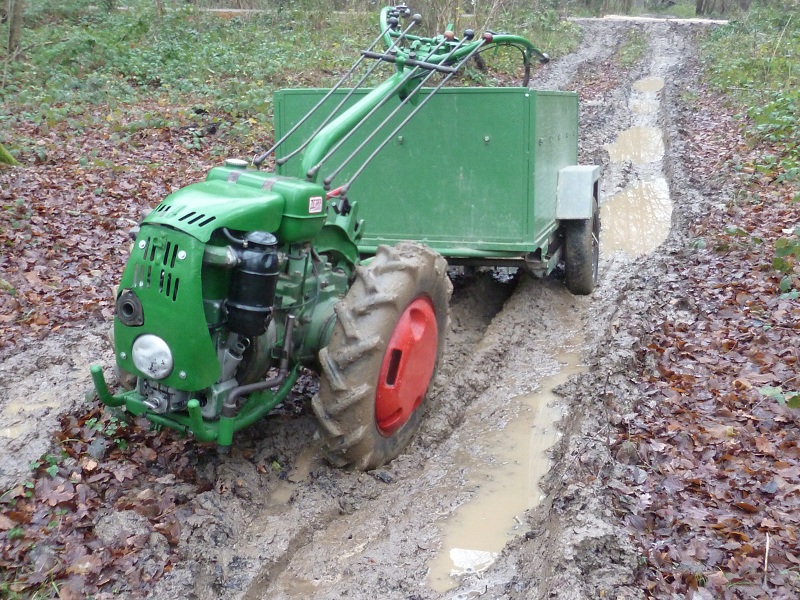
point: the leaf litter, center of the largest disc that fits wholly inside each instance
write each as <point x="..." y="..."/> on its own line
<point x="712" y="490"/>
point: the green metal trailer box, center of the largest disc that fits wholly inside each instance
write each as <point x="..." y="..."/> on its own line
<point x="476" y="177"/>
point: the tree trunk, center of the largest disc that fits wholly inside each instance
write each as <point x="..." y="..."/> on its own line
<point x="15" y="8"/>
<point x="6" y="158"/>
<point x="704" y="7"/>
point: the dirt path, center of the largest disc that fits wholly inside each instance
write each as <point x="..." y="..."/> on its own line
<point x="302" y="529"/>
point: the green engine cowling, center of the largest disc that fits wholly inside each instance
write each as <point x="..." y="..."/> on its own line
<point x="223" y="285"/>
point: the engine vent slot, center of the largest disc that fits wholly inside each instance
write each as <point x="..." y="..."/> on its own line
<point x="184" y="214"/>
<point x="196" y="218"/>
<point x="155" y="268"/>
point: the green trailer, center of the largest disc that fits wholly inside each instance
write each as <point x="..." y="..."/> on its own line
<point x="336" y="260"/>
<point x="477" y="179"/>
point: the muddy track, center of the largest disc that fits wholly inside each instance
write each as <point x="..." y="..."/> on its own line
<point x="378" y="535"/>
<point x="315" y="531"/>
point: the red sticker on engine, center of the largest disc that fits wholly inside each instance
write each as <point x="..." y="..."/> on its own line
<point x="315" y="204"/>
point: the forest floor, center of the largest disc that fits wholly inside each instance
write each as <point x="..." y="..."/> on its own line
<point x="674" y="469"/>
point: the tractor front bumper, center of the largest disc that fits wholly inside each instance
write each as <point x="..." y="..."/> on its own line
<point x="221" y="430"/>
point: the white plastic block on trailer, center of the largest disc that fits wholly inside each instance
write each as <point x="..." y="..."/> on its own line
<point x="576" y="191"/>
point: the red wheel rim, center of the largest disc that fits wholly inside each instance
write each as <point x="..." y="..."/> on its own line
<point x="407" y="366"/>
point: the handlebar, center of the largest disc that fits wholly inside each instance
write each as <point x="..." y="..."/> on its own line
<point x="416" y="59"/>
<point x="389" y="20"/>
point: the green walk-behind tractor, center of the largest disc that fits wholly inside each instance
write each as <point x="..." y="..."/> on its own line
<point x="337" y="260"/>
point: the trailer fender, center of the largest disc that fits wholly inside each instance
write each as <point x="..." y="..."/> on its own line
<point x="578" y="187"/>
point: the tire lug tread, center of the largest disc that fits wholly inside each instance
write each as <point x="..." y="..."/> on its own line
<point x="350" y="365"/>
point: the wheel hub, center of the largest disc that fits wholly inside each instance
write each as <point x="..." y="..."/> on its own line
<point x="407" y="366"/>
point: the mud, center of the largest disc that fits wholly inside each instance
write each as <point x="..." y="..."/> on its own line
<point x="507" y="484"/>
<point x="325" y="533"/>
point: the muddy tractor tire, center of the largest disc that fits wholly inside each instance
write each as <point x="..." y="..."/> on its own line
<point x="582" y="253"/>
<point x="382" y="356"/>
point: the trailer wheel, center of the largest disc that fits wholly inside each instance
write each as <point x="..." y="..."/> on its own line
<point x="582" y="253"/>
<point x="382" y="355"/>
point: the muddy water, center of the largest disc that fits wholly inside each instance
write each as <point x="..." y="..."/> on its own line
<point x="644" y="106"/>
<point x="15" y="431"/>
<point x="507" y="483"/>
<point x="637" y="219"/>
<point x="639" y="145"/>
<point x="649" y="85"/>
<point x="30" y="405"/>
<point x="285" y="489"/>
<point x="640" y="214"/>
<point x="21" y="410"/>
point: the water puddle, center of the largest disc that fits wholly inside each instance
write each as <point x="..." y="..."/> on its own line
<point x="17" y="407"/>
<point x="636" y="220"/>
<point x="644" y="106"/>
<point x="639" y="145"/>
<point x="649" y="85"/>
<point x="474" y="535"/>
<point x="646" y="99"/>
<point x="14" y="431"/>
<point x="24" y="408"/>
<point x="282" y="493"/>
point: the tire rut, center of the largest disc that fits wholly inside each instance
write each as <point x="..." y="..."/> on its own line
<point x="264" y="541"/>
<point x="578" y="550"/>
<point x="385" y="545"/>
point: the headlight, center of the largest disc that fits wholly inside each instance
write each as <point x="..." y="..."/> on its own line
<point x="152" y="356"/>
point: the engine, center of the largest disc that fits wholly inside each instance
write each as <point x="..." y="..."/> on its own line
<point x="238" y="324"/>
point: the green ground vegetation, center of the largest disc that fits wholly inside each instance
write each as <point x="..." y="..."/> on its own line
<point x="138" y="67"/>
<point x="755" y="61"/>
<point x="633" y="48"/>
<point x="5" y="157"/>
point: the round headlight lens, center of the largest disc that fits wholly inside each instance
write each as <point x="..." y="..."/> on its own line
<point x="152" y="356"/>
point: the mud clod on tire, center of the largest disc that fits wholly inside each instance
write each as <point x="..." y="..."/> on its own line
<point x="403" y="292"/>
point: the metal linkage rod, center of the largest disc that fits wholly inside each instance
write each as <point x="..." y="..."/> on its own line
<point x="468" y="35"/>
<point x="335" y="111"/>
<point x="487" y="38"/>
<point x="392" y="23"/>
<point x="312" y="172"/>
<point x="408" y="61"/>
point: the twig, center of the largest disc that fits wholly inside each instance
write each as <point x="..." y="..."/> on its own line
<point x="777" y="45"/>
<point x="30" y="47"/>
<point x="766" y="561"/>
<point x="608" y="414"/>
